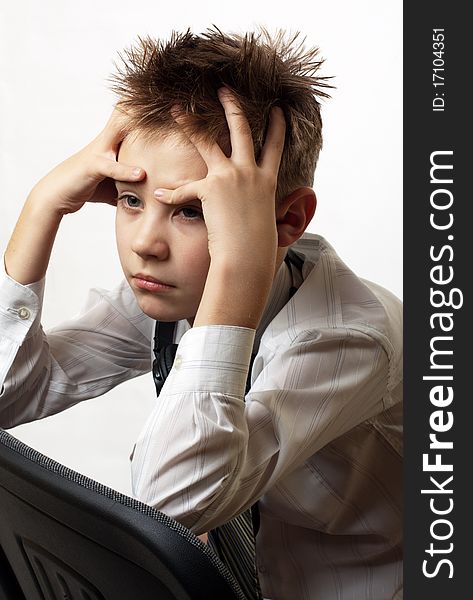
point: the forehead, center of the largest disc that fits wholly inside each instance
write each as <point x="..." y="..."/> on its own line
<point x="169" y="160"/>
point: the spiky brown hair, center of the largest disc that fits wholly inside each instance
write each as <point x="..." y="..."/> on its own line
<point x="262" y="72"/>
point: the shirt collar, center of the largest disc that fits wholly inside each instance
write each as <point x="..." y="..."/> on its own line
<point x="277" y="299"/>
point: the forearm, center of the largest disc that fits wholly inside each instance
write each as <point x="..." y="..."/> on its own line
<point x="29" y="249"/>
<point x="236" y="292"/>
<point x="42" y="373"/>
<point x="189" y="458"/>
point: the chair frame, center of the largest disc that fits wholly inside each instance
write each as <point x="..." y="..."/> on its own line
<point x="63" y="534"/>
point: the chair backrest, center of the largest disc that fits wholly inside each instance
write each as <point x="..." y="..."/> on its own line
<point x="65" y="536"/>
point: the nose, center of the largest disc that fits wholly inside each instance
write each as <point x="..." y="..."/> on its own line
<point x="150" y="240"/>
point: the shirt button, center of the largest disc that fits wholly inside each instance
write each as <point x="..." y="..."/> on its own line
<point x="177" y="362"/>
<point x="24" y="313"/>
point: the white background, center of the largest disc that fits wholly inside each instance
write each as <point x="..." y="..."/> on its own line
<point x="55" y="56"/>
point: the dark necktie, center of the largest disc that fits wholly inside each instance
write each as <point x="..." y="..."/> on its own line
<point x="234" y="541"/>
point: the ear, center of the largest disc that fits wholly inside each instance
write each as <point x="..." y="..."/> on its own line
<point x="293" y="215"/>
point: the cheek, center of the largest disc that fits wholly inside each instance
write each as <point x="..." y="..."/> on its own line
<point x="197" y="260"/>
<point x="122" y="235"/>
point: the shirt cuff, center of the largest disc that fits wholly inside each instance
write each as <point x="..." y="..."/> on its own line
<point x="212" y="358"/>
<point x="20" y="307"/>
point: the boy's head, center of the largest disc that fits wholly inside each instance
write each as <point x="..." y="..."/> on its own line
<point x="261" y="71"/>
<point x="170" y="244"/>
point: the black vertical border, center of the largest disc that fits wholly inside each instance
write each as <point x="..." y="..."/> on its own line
<point x="427" y="131"/>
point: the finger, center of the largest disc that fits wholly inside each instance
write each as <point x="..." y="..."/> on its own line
<point x="118" y="171"/>
<point x="184" y="193"/>
<point x="272" y="150"/>
<point x="211" y="152"/>
<point x="240" y="132"/>
<point x="105" y="192"/>
<point x="115" y="128"/>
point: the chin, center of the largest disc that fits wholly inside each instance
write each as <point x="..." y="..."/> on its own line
<point x="160" y="310"/>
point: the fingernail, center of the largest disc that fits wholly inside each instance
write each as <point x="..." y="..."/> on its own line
<point x="136" y="172"/>
<point x="159" y="193"/>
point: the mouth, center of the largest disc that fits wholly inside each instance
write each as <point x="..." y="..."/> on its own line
<point x="146" y="282"/>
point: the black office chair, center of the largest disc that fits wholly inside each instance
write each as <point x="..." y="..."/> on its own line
<point x="65" y="536"/>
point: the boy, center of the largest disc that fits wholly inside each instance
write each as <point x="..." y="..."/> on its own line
<point x="212" y="150"/>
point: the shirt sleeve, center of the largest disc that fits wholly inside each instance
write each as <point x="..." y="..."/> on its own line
<point x="205" y="455"/>
<point x="42" y="373"/>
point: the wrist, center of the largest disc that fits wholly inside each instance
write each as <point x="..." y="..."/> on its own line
<point x="43" y="200"/>
<point x="235" y="293"/>
<point x="254" y="245"/>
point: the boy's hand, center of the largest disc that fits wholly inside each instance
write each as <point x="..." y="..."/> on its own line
<point x="238" y="204"/>
<point x="65" y="190"/>
<point x="87" y="175"/>
<point x="238" y="194"/>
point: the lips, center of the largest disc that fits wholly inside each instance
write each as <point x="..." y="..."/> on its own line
<point x="142" y="281"/>
<point x="145" y="277"/>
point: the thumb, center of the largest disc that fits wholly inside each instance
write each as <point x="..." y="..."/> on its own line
<point x="106" y="167"/>
<point x="184" y="193"/>
<point x="107" y="172"/>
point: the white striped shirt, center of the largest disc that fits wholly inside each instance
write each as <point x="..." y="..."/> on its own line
<point x="318" y="441"/>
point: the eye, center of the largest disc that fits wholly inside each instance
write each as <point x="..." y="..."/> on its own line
<point x="129" y="202"/>
<point x="190" y="213"/>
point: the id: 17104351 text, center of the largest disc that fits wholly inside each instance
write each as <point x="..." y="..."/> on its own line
<point x="438" y="70"/>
